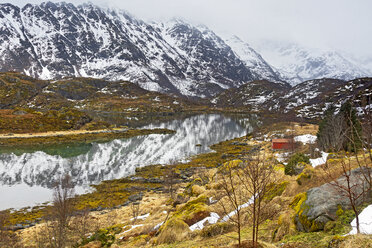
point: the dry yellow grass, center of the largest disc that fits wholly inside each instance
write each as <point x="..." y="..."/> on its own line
<point x="55" y="133"/>
<point x="357" y="241"/>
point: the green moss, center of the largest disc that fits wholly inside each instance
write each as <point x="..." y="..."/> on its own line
<point x="105" y="236"/>
<point x="298" y="200"/>
<point x="275" y="190"/>
<point x="303" y="177"/>
<point x="193" y="210"/>
<point x="313" y="239"/>
<point x="298" y="204"/>
<point x="172" y="231"/>
<point x="188" y="189"/>
<point x="339" y="211"/>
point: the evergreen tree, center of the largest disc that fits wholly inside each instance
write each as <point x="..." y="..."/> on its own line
<point x="340" y="130"/>
<point x="353" y="132"/>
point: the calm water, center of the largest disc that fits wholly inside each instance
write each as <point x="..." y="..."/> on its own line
<point x="26" y="175"/>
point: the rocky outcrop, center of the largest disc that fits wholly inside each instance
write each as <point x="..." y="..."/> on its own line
<point x="319" y="205"/>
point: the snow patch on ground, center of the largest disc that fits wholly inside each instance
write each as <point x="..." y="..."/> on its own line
<point x="232" y="213"/>
<point x="131" y="228"/>
<point x="142" y="217"/>
<point x="318" y="161"/>
<point x="212" y="219"/>
<point x="365" y="222"/>
<point x="281" y="156"/>
<point x="305" y="139"/>
<point x="158" y="226"/>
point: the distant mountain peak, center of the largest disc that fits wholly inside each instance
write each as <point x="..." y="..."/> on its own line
<point x="298" y="63"/>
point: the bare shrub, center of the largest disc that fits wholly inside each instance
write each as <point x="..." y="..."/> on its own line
<point x="245" y="187"/>
<point x="56" y="232"/>
<point x="170" y="180"/>
<point x="135" y="210"/>
<point x="257" y="175"/>
<point x="232" y="196"/>
<point x="83" y="224"/>
<point x="350" y="185"/>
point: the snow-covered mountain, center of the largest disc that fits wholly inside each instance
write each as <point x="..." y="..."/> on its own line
<point x="252" y="59"/>
<point x="54" y="40"/>
<point x="297" y="64"/>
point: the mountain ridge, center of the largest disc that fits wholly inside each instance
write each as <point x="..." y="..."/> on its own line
<point x="57" y="40"/>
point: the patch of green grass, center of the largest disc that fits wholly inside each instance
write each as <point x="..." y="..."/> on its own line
<point x="105" y="236"/>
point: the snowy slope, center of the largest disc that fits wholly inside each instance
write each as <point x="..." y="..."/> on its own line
<point x="307" y="100"/>
<point x="252" y="59"/>
<point x="297" y="64"/>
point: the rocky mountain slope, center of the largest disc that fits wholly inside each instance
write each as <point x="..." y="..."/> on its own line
<point x="308" y="99"/>
<point x="88" y="94"/>
<point x="255" y="96"/>
<point x="31" y="105"/>
<point x="54" y="40"/>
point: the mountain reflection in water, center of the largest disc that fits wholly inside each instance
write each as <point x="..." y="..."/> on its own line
<point x="118" y="158"/>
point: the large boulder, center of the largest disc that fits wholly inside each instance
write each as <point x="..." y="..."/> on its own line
<point x="319" y="205"/>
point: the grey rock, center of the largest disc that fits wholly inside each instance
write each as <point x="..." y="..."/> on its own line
<point x="323" y="202"/>
<point x="236" y="143"/>
<point x="19" y="112"/>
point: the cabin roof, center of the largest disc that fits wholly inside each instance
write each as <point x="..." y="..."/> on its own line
<point x="282" y="140"/>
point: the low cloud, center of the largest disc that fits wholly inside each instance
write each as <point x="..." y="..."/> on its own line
<point x="336" y="24"/>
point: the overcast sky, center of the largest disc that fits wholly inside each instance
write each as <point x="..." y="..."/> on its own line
<point x="340" y="24"/>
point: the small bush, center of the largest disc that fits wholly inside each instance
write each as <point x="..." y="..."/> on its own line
<point x="294" y="161"/>
<point x="217" y="229"/>
<point x="106" y="237"/>
<point x="285" y="226"/>
<point x="197" y="190"/>
<point x="173" y="230"/>
<point x="193" y="211"/>
<point x="305" y="176"/>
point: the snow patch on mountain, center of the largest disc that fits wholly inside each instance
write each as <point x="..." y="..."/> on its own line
<point x="252" y="59"/>
<point x="297" y="64"/>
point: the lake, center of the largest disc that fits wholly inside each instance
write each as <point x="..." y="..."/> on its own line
<point x="27" y="175"/>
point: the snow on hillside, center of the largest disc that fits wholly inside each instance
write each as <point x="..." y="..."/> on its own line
<point x="297" y="64"/>
<point x="252" y="59"/>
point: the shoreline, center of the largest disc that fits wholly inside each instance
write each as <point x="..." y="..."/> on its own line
<point x="81" y="136"/>
<point x="59" y="133"/>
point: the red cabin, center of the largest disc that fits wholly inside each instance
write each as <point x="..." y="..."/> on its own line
<point x="282" y="144"/>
